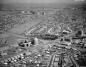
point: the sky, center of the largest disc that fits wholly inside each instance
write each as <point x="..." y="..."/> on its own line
<point x="35" y="1"/>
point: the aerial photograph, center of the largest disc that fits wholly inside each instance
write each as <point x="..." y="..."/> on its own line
<point x="42" y="33"/>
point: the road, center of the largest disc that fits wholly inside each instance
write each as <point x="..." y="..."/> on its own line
<point x="51" y="61"/>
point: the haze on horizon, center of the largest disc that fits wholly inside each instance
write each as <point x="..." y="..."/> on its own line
<point x="23" y="4"/>
<point x="35" y="1"/>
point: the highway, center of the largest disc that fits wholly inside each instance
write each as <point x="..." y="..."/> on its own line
<point x="51" y="61"/>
